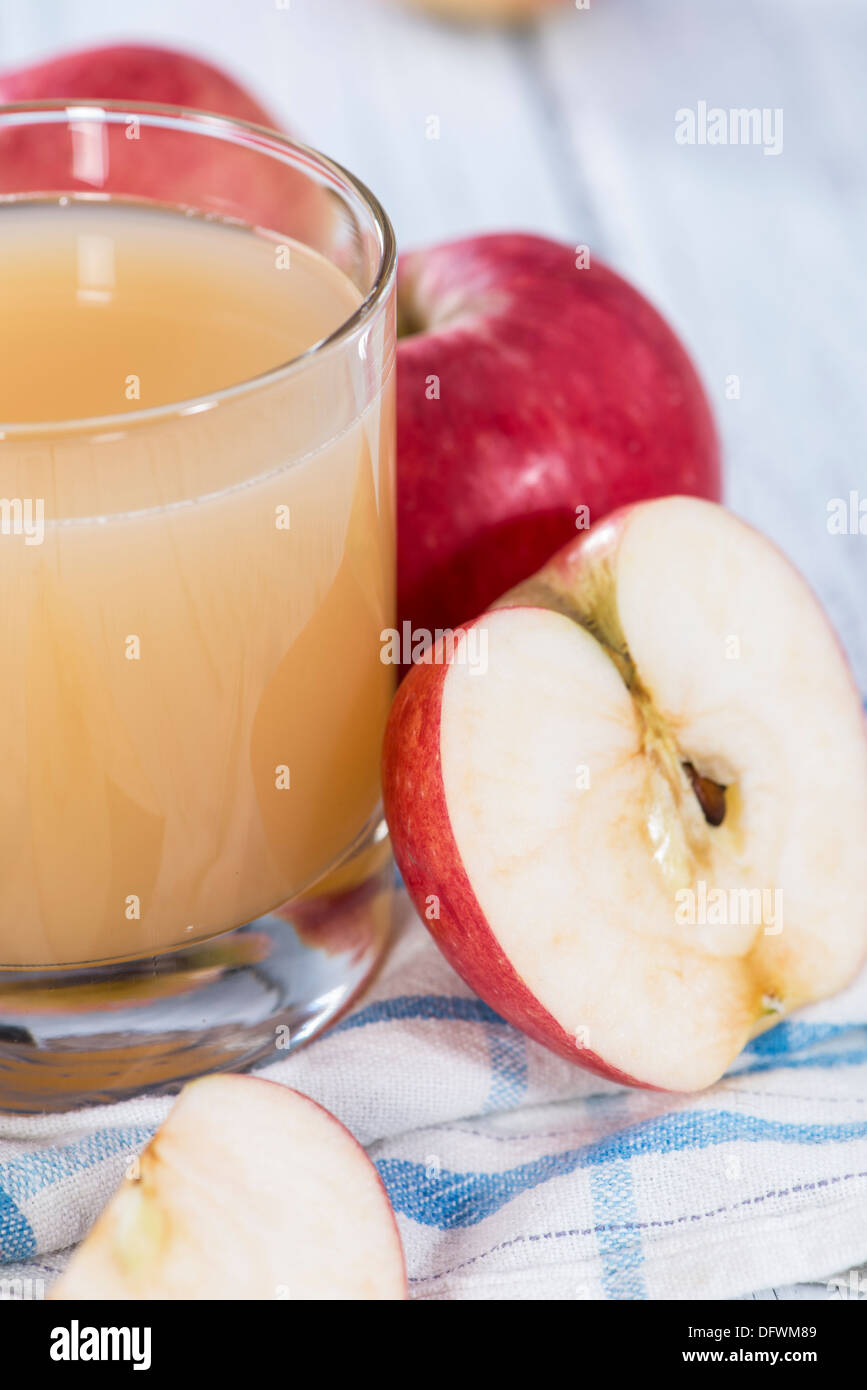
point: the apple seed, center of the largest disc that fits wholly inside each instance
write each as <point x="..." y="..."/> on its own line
<point x="710" y="796"/>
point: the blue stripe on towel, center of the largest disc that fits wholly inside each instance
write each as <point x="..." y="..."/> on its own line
<point x="23" y="1177"/>
<point x="17" y="1241"/>
<point x="794" y="1036"/>
<point x="424" y="1006"/>
<point x="786" y="1037"/>
<point x="447" y="1199"/>
<point x="856" y="1057"/>
<point x="508" y="1067"/>
<point x="618" y="1233"/>
<point x="508" y="1047"/>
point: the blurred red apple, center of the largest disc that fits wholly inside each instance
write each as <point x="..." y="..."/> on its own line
<point x="128" y="72"/>
<point x="528" y="387"/>
<point x="202" y="173"/>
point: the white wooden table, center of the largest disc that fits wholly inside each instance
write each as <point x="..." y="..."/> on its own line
<point x="569" y="129"/>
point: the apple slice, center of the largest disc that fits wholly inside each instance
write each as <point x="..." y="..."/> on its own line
<point x="248" y="1191"/>
<point x="637" y="830"/>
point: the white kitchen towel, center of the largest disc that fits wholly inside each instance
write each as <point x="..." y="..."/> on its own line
<point x="514" y="1174"/>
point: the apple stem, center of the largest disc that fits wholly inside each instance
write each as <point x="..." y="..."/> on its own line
<point x="409" y="320"/>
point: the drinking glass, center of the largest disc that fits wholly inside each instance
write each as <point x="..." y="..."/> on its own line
<point x="196" y="872"/>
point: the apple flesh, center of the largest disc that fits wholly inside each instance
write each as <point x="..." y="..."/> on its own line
<point x="666" y="720"/>
<point x="248" y="1191"/>
<point x="200" y="173"/>
<point x="528" y="388"/>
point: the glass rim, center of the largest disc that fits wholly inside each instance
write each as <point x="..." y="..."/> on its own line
<point x="267" y="141"/>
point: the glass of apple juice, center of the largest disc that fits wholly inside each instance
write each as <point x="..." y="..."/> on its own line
<point x="196" y="569"/>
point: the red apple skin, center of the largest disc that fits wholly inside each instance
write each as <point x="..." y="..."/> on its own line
<point x="257" y="190"/>
<point x="558" y="388"/>
<point x="430" y="864"/>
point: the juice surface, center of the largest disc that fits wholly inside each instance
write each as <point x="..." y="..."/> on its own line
<point x="192" y="692"/>
<point x="94" y="293"/>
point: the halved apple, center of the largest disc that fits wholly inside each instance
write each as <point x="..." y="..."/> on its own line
<point x="636" y="824"/>
<point x="248" y="1191"/>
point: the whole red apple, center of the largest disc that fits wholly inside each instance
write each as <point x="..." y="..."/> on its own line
<point x="632" y="807"/>
<point x="201" y="172"/>
<point x="530" y="385"/>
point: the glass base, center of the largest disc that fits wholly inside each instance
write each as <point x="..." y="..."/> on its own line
<point x="89" y="1034"/>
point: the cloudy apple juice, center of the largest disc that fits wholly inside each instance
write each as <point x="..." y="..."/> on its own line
<point x="191" y="594"/>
